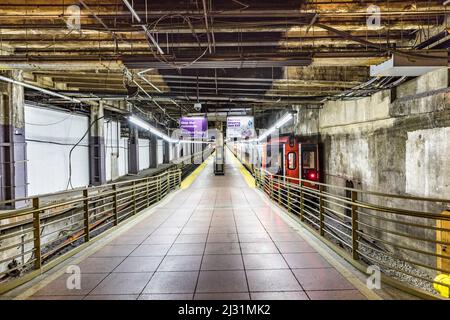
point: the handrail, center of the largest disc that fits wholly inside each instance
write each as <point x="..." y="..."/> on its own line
<point x="31" y="236"/>
<point x="80" y="189"/>
<point x="399" y="238"/>
<point x="375" y="193"/>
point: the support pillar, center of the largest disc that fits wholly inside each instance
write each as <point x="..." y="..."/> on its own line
<point x="97" y="161"/>
<point x="153" y="152"/>
<point x="203" y="152"/>
<point x="166" y="152"/>
<point x="13" y="154"/>
<point x="133" y="151"/>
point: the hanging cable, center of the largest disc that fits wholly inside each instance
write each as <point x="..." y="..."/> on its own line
<point x="69" y="182"/>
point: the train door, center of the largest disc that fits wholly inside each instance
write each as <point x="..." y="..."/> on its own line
<point x="309" y="163"/>
<point x="291" y="163"/>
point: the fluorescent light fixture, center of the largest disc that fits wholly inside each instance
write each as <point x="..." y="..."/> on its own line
<point x="146" y="126"/>
<point x="272" y="129"/>
<point x="144" y="27"/>
<point x="30" y="86"/>
<point x="283" y="121"/>
<point x="192" y="141"/>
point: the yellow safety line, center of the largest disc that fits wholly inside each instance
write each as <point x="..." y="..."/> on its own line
<point x="194" y="174"/>
<point x="245" y="174"/>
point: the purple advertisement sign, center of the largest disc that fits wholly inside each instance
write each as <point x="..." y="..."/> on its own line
<point x="195" y="127"/>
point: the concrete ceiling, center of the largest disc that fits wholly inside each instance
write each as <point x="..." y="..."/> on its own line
<point x="254" y="53"/>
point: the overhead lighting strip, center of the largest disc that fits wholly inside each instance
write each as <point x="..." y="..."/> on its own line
<point x="280" y="123"/>
<point x="146" y="126"/>
<point x="30" y="86"/>
<point x="144" y="27"/>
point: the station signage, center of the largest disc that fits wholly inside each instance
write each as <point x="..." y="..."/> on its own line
<point x="240" y="127"/>
<point x="194" y="127"/>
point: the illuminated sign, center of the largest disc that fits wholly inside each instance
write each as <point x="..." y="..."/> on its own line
<point x="194" y="127"/>
<point x="240" y="127"/>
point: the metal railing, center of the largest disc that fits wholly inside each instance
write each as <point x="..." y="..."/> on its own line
<point x="46" y="230"/>
<point x="406" y="237"/>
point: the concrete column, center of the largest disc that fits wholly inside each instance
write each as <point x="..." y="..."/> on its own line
<point x="133" y="151"/>
<point x="97" y="161"/>
<point x="166" y="152"/>
<point x="203" y="151"/>
<point x="13" y="154"/>
<point x="153" y="152"/>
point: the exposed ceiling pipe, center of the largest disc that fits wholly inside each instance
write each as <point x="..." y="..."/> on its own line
<point x="144" y="27"/>
<point x="140" y="74"/>
<point x="30" y="86"/>
<point x="205" y="12"/>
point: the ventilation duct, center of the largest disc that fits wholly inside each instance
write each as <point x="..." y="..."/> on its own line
<point x="403" y="65"/>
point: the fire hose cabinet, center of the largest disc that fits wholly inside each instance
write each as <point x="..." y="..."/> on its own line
<point x="443" y="236"/>
<point x="442" y="281"/>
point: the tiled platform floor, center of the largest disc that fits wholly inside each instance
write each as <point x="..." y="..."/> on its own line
<point x="215" y="240"/>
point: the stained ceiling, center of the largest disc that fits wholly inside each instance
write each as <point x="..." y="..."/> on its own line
<point x="164" y="56"/>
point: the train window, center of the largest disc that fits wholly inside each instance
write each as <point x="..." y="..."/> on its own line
<point x="309" y="160"/>
<point x="292" y="161"/>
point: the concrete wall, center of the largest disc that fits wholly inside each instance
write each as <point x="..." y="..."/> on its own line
<point x="50" y="134"/>
<point x="385" y="145"/>
<point x="395" y="142"/>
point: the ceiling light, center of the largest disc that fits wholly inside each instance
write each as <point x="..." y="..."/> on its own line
<point x="30" y="86"/>
<point x="146" y="126"/>
<point x="285" y="119"/>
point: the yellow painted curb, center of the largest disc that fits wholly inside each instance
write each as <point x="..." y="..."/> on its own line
<point x="245" y="174"/>
<point x="194" y="174"/>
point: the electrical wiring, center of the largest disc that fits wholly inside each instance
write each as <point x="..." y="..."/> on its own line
<point x="162" y="58"/>
<point x="69" y="182"/>
<point x="50" y="124"/>
<point x="55" y="143"/>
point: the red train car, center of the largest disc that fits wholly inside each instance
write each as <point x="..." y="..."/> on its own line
<point x="286" y="156"/>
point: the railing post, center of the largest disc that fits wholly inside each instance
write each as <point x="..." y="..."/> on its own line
<point x="279" y="191"/>
<point x="321" y="211"/>
<point x="166" y="179"/>
<point x="271" y="188"/>
<point x="289" y="197"/>
<point x="302" y="202"/>
<point x="116" y="209"/>
<point x="134" y="197"/>
<point x="354" y="226"/>
<point x="37" y="234"/>
<point x="147" y="192"/>
<point x="257" y="181"/>
<point x="87" y="235"/>
<point x="158" y="188"/>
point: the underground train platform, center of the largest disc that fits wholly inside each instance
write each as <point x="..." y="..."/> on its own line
<point x="216" y="239"/>
<point x="191" y="152"/>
